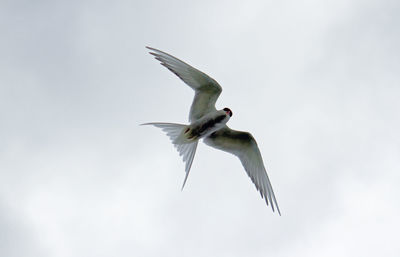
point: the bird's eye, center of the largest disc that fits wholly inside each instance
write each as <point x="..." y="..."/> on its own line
<point x="228" y="111"/>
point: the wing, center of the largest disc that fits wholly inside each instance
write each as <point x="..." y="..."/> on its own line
<point x="206" y="88"/>
<point x="243" y="145"/>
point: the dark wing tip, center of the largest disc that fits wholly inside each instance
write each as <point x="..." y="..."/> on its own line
<point x="279" y="212"/>
<point x="155" y="51"/>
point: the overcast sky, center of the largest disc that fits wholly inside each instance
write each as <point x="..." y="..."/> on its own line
<point x="317" y="83"/>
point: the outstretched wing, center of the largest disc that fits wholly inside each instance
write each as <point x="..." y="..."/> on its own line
<point x="243" y="145"/>
<point x="206" y="88"/>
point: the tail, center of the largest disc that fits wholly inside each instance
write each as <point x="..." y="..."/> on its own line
<point x="185" y="147"/>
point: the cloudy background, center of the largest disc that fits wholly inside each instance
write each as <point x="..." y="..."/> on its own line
<point x="316" y="82"/>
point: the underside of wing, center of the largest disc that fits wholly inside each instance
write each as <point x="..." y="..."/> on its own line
<point x="206" y="88"/>
<point x="243" y="145"/>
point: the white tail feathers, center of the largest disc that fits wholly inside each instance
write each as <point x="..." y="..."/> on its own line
<point x="185" y="147"/>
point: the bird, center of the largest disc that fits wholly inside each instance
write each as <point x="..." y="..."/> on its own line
<point x="209" y="124"/>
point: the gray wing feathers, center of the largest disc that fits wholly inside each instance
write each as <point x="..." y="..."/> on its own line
<point x="243" y="145"/>
<point x="206" y="88"/>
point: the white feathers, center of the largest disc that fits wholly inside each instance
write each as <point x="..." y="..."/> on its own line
<point x="173" y="130"/>
<point x="186" y="149"/>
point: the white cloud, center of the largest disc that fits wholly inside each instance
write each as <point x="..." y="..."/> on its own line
<point x="314" y="81"/>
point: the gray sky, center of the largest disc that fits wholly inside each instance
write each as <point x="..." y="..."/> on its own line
<point x="316" y="82"/>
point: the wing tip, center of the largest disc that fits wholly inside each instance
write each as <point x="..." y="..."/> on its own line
<point x="154" y="52"/>
<point x="148" y="123"/>
<point x="157" y="52"/>
<point x="277" y="207"/>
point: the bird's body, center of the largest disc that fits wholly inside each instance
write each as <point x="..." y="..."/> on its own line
<point x="206" y="125"/>
<point x="209" y="124"/>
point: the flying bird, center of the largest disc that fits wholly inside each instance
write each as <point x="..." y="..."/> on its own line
<point x="209" y="124"/>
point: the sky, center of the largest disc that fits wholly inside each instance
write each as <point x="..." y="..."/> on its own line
<point x="317" y="84"/>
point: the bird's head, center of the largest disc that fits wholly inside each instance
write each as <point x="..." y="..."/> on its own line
<point x="228" y="111"/>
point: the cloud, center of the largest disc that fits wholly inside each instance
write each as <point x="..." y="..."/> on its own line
<point x="314" y="82"/>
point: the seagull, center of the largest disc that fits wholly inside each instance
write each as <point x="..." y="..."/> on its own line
<point x="209" y="124"/>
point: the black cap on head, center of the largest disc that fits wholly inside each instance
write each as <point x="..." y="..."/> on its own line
<point x="228" y="111"/>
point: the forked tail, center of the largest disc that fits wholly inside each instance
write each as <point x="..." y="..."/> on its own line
<point x="185" y="147"/>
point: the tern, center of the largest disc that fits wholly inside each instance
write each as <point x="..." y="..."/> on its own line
<point x="209" y="124"/>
